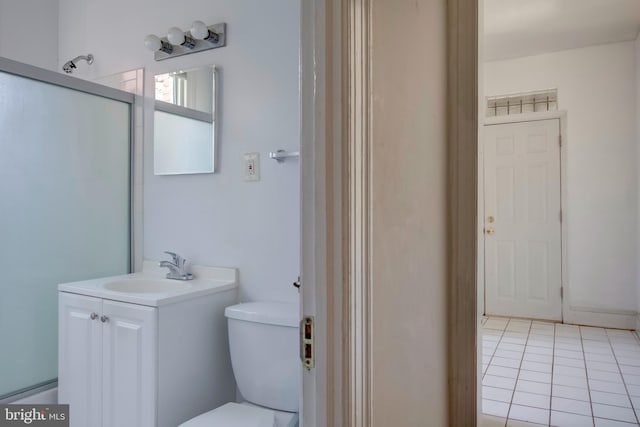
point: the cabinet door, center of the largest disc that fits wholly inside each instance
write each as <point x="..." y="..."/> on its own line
<point x="129" y="365"/>
<point x="80" y="358"/>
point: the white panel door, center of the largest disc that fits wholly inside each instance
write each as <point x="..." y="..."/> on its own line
<point x="80" y="358"/>
<point x="522" y="220"/>
<point x="129" y="365"/>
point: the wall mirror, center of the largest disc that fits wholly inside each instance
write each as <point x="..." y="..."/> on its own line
<point x="184" y="139"/>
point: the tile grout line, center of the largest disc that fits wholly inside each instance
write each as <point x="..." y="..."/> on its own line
<point x="586" y="373"/>
<point x="493" y="353"/>
<point x="553" y="357"/>
<point x="633" y="407"/>
<point x="621" y="376"/>
<point x="515" y="385"/>
<point x="491" y="359"/>
<point x="582" y="342"/>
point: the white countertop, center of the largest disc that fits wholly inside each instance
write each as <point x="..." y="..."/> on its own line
<point x="207" y="280"/>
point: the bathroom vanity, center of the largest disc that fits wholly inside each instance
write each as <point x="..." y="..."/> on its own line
<point x="142" y="351"/>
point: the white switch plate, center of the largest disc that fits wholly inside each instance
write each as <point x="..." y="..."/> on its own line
<point x="252" y="166"/>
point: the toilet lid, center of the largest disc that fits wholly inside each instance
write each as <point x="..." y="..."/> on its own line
<point x="233" y="415"/>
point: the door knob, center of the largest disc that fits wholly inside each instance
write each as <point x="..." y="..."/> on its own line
<point x="490" y="231"/>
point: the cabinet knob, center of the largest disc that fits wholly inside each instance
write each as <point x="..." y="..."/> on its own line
<point x="103" y="318"/>
<point x="94" y="316"/>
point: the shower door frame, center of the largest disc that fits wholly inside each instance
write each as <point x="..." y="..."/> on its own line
<point x="135" y="173"/>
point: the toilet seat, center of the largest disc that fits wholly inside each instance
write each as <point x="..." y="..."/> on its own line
<point x="233" y="415"/>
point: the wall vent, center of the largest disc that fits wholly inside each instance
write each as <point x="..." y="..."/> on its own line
<point x="519" y="103"/>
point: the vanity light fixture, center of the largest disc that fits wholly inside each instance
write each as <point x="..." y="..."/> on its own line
<point x="178" y="37"/>
<point x="200" y="31"/>
<point x="155" y="43"/>
<point x="178" y="42"/>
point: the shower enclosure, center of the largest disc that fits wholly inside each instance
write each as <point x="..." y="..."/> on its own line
<point x="65" y="191"/>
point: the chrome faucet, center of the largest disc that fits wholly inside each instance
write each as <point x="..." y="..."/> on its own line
<point x="176" y="268"/>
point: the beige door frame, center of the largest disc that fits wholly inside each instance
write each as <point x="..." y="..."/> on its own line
<point x="321" y="60"/>
<point x="463" y="158"/>
<point x="336" y="142"/>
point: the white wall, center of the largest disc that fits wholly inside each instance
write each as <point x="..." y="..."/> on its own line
<point x="29" y="31"/>
<point x="214" y="219"/>
<point x="597" y="88"/>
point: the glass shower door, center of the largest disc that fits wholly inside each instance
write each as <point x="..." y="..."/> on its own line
<point x="64" y="212"/>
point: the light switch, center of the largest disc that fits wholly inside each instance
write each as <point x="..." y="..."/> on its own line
<point x="252" y="166"/>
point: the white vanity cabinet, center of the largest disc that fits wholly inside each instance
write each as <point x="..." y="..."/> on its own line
<point x="107" y="366"/>
<point x="155" y="359"/>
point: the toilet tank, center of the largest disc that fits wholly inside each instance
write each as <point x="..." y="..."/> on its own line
<point x="263" y="341"/>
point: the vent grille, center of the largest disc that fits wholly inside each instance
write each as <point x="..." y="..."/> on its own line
<point x="519" y="103"/>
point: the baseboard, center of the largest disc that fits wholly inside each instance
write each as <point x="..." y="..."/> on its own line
<point x="601" y="317"/>
<point x="47" y="397"/>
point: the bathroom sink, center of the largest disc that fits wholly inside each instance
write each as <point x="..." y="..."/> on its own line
<point x="145" y="286"/>
<point x="150" y="287"/>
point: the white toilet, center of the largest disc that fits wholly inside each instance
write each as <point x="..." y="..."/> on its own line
<point x="263" y="341"/>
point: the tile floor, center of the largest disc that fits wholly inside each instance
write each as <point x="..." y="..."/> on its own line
<point x="560" y="375"/>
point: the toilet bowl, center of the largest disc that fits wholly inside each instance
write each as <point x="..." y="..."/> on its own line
<point x="263" y="342"/>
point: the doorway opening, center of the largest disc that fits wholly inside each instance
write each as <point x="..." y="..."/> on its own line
<point x="558" y="231"/>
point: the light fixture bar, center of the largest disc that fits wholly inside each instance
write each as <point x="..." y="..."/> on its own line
<point x="198" y="45"/>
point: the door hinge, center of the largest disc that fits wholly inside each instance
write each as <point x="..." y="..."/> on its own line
<point x="560" y="215"/>
<point x="561" y="291"/>
<point x="560" y="140"/>
<point x="307" y="346"/>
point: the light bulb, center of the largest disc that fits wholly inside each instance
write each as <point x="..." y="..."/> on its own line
<point x="199" y="30"/>
<point x="175" y="36"/>
<point x="152" y="42"/>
